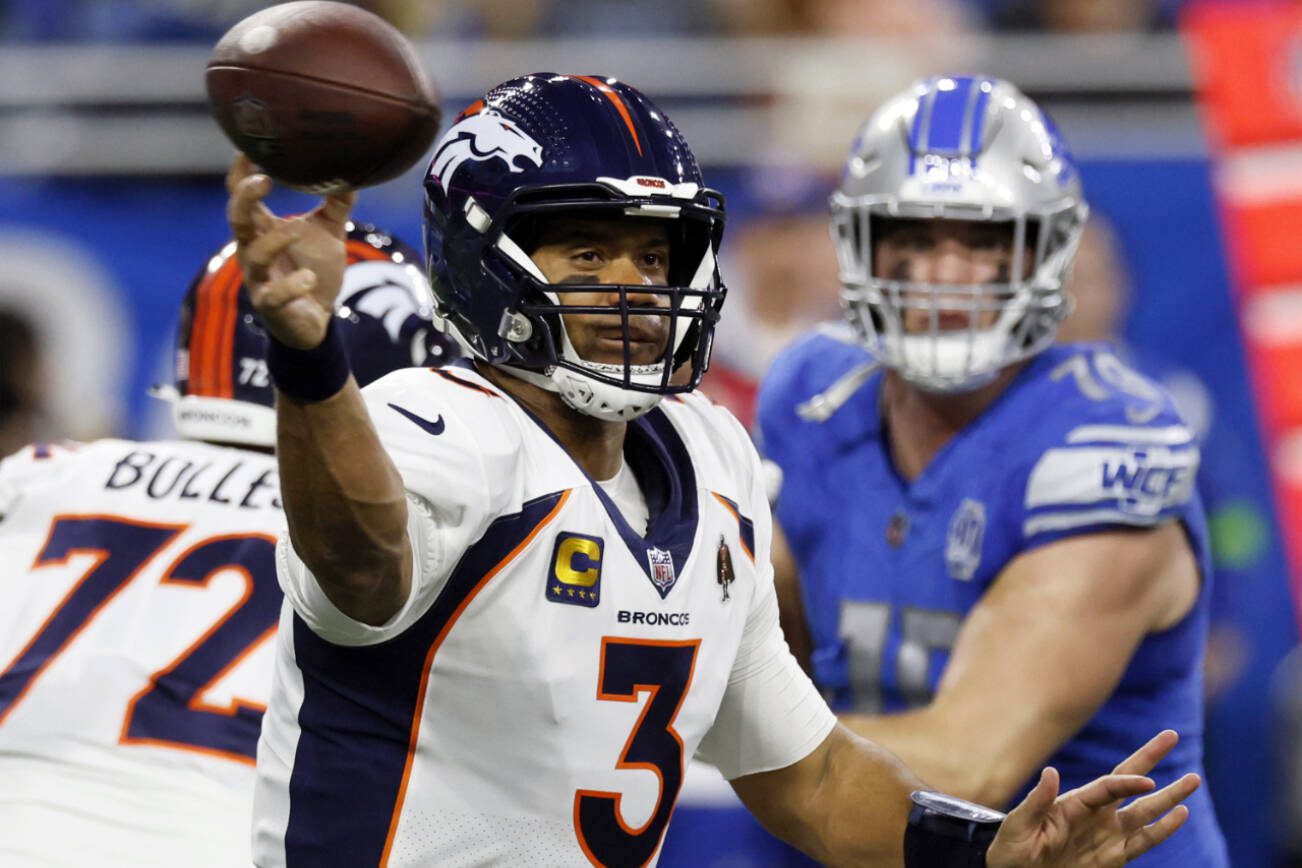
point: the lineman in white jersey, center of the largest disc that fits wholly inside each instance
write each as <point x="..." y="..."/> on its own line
<point x="141" y="598"/>
<point x="521" y="594"/>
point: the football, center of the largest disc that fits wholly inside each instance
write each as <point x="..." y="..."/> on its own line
<point x="323" y="96"/>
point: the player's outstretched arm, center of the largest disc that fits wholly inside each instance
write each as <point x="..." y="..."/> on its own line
<point x="343" y="497"/>
<point x="848" y="803"/>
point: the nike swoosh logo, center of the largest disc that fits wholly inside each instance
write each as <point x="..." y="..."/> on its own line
<point x="435" y="427"/>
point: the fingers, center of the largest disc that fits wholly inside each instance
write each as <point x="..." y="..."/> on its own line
<point x="336" y="208"/>
<point x="1104" y="791"/>
<point x="241" y="168"/>
<point x="1033" y="809"/>
<point x="1144" y="760"/>
<point x="244" y="210"/>
<point x="257" y="255"/>
<point x="1150" y="836"/>
<point x="1143" y="811"/>
<point x="275" y="294"/>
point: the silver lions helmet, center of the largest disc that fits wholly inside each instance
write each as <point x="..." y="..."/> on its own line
<point x="971" y="149"/>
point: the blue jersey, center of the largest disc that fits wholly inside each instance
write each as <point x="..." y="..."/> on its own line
<point x="1077" y="444"/>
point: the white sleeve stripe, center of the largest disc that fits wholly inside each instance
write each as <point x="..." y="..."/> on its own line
<point x="1155" y="475"/>
<point x="1173" y="435"/>
<point x="1068" y="520"/>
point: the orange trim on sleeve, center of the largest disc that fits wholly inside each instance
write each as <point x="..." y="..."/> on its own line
<point x="736" y="515"/>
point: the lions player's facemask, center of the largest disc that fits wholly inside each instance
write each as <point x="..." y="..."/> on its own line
<point x="222" y="391"/>
<point x="969" y="150"/>
<point x="547" y="148"/>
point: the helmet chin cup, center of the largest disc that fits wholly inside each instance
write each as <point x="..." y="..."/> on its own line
<point x="588" y="396"/>
<point x="601" y="400"/>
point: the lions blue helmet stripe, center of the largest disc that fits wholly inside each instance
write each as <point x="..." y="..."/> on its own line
<point x="950" y="119"/>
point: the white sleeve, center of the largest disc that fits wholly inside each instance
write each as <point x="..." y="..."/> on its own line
<point x="430" y="568"/>
<point x="771" y="715"/>
<point x="450" y="502"/>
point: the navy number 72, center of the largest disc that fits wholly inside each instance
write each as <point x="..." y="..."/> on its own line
<point x="169" y="710"/>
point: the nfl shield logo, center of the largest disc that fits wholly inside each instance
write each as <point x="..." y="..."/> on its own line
<point x="967" y="529"/>
<point x="662" y="569"/>
<point x="253" y="118"/>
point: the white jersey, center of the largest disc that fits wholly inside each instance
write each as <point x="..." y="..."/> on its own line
<point x="136" y="652"/>
<point x="536" y="700"/>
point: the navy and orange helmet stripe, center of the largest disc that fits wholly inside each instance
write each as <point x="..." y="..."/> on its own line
<point x="212" y="332"/>
<point x="216" y="316"/>
<point x="610" y="93"/>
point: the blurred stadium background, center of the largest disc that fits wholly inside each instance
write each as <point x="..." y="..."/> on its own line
<point x="111" y="196"/>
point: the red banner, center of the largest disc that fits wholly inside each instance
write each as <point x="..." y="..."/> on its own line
<point x="1247" y="65"/>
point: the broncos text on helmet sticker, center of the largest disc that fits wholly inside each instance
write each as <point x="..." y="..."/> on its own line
<point x="480" y="137"/>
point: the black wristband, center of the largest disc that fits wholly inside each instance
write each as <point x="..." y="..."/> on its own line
<point x="945" y="832"/>
<point x="308" y="376"/>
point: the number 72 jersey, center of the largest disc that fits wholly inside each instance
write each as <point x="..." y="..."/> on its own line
<point x="140" y="601"/>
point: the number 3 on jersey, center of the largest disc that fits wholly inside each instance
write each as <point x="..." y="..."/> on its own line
<point x="629" y="667"/>
<point x="169" y="710"/>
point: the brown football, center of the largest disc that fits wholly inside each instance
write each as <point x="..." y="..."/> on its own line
<point x="322" y="96"/>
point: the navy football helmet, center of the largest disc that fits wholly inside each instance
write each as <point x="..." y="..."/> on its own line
<point x="584" y="146"/>
<point x="223" y="392"/>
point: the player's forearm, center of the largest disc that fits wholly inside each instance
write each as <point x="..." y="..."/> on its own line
<point x="975" y="762"/>
<point x="845" y="804"/>
<point x="345" y="503"/>
<point x="865" y="794"/>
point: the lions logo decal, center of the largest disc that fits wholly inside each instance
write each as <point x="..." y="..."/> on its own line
<point x="480" y="137"/>
<point x="967" y="529"/>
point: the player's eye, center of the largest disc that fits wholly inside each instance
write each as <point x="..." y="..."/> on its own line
<point x="586" y="256"/>
<point x="656" y="259"/>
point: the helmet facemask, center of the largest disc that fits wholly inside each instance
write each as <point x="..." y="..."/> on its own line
<point x="1003" y="321"/>
<point x="679" y="316"/>
<point x="971" y="149"/>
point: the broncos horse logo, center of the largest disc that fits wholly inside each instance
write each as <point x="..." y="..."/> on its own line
<point x="480" y="137"/>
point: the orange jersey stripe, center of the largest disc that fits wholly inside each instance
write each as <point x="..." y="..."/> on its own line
<point x="609" y="93"/>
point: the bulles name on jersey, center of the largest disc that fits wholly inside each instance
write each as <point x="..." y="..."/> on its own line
<point x="160" y="474"/>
